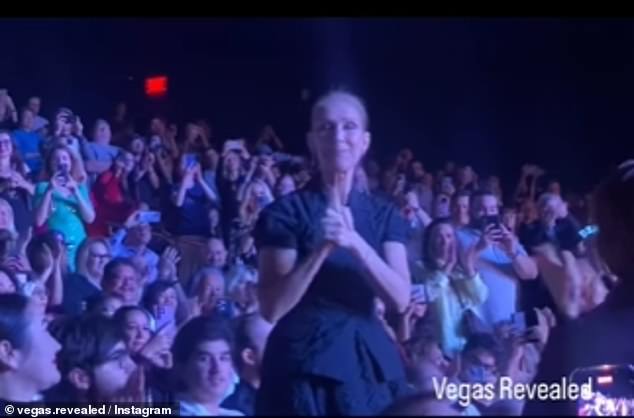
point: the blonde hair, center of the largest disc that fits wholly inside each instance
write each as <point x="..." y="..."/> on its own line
<point x="82" y="252"/>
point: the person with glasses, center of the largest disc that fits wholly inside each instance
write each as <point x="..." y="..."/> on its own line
<point x="94" y="362"/>
<point x="85" y="284"/>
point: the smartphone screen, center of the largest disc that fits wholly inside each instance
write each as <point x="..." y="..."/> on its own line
<point x="149" y="217"/>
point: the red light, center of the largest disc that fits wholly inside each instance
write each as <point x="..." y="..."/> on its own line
<point x="156" y="86"/>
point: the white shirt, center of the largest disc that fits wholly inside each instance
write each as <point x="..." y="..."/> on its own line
<point x="188" y="407"/>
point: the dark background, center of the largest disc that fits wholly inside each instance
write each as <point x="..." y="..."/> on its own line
<point x="492" y="92"/>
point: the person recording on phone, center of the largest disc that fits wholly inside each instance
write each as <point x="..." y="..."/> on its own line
<point x="318" y="280"/>
<point x="132" y="240"/>
<point x="191" y="201"/>
<point x="602" y="336"/>
<point x="8" y="111"/>
<point x="62" y="202"/>
<point x="112" y="196"/>
<point x="501" y="263"/>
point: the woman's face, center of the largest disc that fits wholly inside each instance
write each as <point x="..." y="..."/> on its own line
<point x="61" y="161"/>
<point x="6" y="285"/>
<point x="137" y="146"/>
<point x="338" y="137"/>
<point x="137" y="330"/>
<point x="6" y="146"/>
<point x="125" y="162"/>
<point x="442" y="241"/>
<point x="168" y="298"/>
<point x="6" y="216"/>
<point x="98" y="257"/>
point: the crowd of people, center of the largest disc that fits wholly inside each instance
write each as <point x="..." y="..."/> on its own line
<point x="158" y="264"/>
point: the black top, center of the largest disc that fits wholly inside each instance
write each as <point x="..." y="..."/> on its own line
<point x="242" y="399"/>
<point x="336" y="313"/>
<point x="603" y="336"/>
<point x="78" y="291"/>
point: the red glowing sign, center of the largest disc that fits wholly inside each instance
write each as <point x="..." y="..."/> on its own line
<point x="156" y="86"/>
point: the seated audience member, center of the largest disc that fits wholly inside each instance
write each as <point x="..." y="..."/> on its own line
<point x="251" y="333"/>
<point x="15" y="189"/>
<point x="121" y="279"/>
<point x="62" y="202"/>
<point x="502" y="262"/>
<point x="27" y="353"/>
<point x="454" y="287"/>
<point x="28" y="142"/>
<point x="203" y="362"/>
<point x="132" y="241"/>
<point x="94" y="363"/>
<point x="85" y="284"/>
<point x="99" y="154"/>
<point x="111" y="196"/>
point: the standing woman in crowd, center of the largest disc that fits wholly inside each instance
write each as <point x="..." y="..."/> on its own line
<point x="318" y="280"/>
<point x="62" y="202"/>
<point x="111" y="196"/>
<point x="452" y="287"/>
<point x="14" y="188"/>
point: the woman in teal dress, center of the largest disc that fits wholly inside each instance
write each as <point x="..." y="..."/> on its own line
<point x="62" y="203"/>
